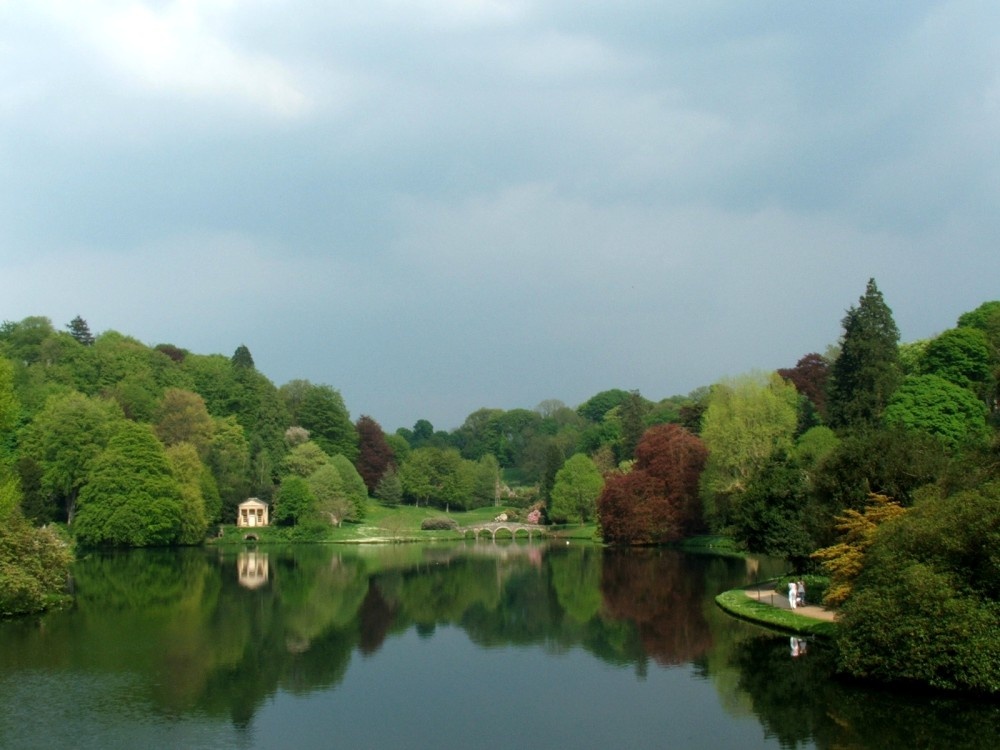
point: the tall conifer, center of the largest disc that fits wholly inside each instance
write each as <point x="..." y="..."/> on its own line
<point x="867" y="371"/>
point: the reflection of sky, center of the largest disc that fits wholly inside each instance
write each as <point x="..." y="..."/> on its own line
<point x="439" y="206"/>
<point x="445" y="692"/>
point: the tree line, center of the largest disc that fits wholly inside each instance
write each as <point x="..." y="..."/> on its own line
<point x="135" y="445"/>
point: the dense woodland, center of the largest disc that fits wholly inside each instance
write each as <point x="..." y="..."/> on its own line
<point x="878" y="462"/>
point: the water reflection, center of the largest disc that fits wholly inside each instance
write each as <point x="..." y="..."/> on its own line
<point x="218" y="634"/>
<point x="252" y="569"/>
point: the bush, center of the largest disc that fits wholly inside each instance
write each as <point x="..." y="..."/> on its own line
<point x="34" y="564"/>
<point x="440" y="523"/>
<point x="926" y="607"/>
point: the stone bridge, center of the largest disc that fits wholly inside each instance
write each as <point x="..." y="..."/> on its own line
<point x="493" y="527"/>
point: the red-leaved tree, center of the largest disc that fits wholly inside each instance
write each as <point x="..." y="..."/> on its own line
<point x="658" y="500"/>
<point x="374" y="453"/>
<point x="810" y="376"/>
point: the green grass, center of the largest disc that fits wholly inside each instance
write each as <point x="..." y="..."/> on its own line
<point x="712" y="544"/>
<point x="383" y="524"/>
<point x="738" y="604"/>
<point x="580" y="531"/>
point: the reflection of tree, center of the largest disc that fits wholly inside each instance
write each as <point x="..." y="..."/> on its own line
<point x="442" y="593"/>
<point x="801" y="703"/>
<point x="656" y="590"/>
<point x="375" y="619"/>
<point x="199" y="641"/>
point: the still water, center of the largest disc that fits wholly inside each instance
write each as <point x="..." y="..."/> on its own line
<point x="405" y="646"/>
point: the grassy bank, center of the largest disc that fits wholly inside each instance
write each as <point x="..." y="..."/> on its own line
<point x="738" y="604"/>
<point x="712" y="544"/>
<point x="385" y="525"/>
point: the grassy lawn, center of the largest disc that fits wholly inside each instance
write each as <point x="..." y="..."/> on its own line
<point x="384" y="524"/>
<point x="738" y="604"/>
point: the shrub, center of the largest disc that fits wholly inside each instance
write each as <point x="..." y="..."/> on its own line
<point x="439" y="523"/>
<point x="34" y="564"/>
<point x="926" y="606"/>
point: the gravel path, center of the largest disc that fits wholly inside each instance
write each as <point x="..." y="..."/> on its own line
<point x="766" y="593"/>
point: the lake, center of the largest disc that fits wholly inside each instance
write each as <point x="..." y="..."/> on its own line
<point x="412" y="646"/>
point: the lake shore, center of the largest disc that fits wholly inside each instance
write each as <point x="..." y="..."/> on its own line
<point x="762" y="605"/>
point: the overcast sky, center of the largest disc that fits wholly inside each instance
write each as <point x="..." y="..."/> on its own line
<point x="440" y="205"/>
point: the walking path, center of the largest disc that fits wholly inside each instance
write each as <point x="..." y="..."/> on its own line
<point x="764" y="592"/>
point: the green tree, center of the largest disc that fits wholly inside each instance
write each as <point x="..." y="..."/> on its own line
<point x="294" y="502"/>
<point x="773" y="516"/>
<point x="182" y="417"/>
<point x="190" y="474"/>
<point x="748" y="420"/>
<point x="65" y="438"/>
<point x="479" y="434"/>
<point x="434" y="476"/>
<point x="331" y="501"/>
<point x="10" y="407"/>
<point x="866" y="372"/>
<point x="894" y="462"/>
<point x="934" y="405"/>
<point x="986" y="318"/>
<point x="961" y="356"/>
<point x="354" y="486"/>
<point x="320" y="409"/>
<point x="21" y="341"/>
<point x="305" y="458"/>
<point x="258" y="407"/>
<point x="131" y="498"/>
<point x="594" y="408"/>
<point x="911" y="356"/>
<point x="229" y="460"/>
<point x="485" y="482"/>
<point x="574" y="496"/>
<point x="814" y="445"/>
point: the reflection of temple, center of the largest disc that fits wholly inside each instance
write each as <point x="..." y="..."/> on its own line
<point x="252" y="512"/>
<point x="252" y="568"/>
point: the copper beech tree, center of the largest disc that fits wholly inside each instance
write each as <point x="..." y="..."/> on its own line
<point x="658" y="500"/>
<point x="374" y="453"/>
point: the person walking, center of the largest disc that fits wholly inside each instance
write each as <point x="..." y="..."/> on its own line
<point x="793" y="594"/>
<point x="800" y="591"/>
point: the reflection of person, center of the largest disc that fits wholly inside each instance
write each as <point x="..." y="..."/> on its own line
<point x="798" y="646"/>
<point x="792" y="594"/>
<point x="801" y="590"/>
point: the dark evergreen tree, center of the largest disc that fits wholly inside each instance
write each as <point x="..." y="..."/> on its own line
<point x="390" y="489"/>
<point x="867" y="371"/>
<point x="554" y="461"/>
<point x="632" y="412"/>
<point x="242" y="358"/>
<point x="79" y="330"/>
